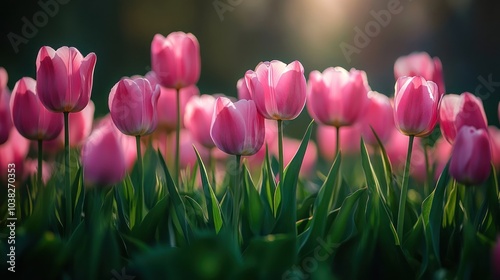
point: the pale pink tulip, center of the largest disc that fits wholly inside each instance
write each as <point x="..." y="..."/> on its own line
<point x="279" y="90"/>
<point x="421" y="64"/>
<point x="416" y="104"/>
<point x="176" y="59"/>
<point x="198" y="118"/>
<point x="337" y="97"/>
<point x="237" y="128"/>
<point x="64" y="78"/>
<point x="241" y="87"/>
<point x="379" y="116"/>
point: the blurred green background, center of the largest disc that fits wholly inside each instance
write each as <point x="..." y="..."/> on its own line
<point x="235" y="35"/>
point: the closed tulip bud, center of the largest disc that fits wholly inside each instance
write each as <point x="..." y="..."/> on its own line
<point x="421" y="64"/>
<point x="241" y="87"/>
<point x="132" y="104"/>
<point x="5" y="119"/>
<point x="470" y="156"/>
<point x="103" y="159"/>
<point x="64" y="78"/>
<point x="30" y="117"/>
<point x="237" y="128"/>
<point x="337" y="97"/>
<point x="198" y="118"/>
<point x="379" y="116"/>
<point x="278" y="90"/>
<point x="176" y="59"/>
<point x="416" y="104"/>
<point x="460" y="110"/>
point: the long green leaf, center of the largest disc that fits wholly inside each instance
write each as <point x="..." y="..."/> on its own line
<point x="214" y="211"/>
<point x="287" y="216"/>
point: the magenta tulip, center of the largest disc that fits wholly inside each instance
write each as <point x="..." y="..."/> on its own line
<point x="471" y="156"/>
<point x="459" y="110"/>
<point x="102" y="156"/>
<point x="379" y="116"/>
<point x="241" y="87"/>
<point x="5" y="119"/>
<point x="132" y="103"/>
<point x="198" y="118"/>
<point x="416" y="104"/>
<point x="30" y="117"/>
<point x="421" y="64"/>
<point x="176" y="59"/>
<point x="494" y="133"/>
<point x="237" y="128"/>
<point x="337" y="97"/>
<point x="279" y="90"/>
<point x="64" y="78"/>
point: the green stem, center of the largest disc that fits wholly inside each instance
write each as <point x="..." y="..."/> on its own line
<point x="280" y="152"/>
<point x="67" y="183"/>
<point x="404" y="192"/>
<point x="428" y="175"/>
<point x="39" y="170"/>
<point x="140" y="189"/>
<point x="177" y="137"/>
<point x="337" y="136"/>
<point x="237" y="198"/>
<point x="211" y="160"/>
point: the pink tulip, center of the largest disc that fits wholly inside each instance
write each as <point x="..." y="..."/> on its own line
<point x="337" y="97"/>
<point x="471" y="156"/>
<point x="103" y="159"/>
<point x="64" y="78"/>
<point x="241" y="87"/>
<point x="176" y="59"/>
<point x="14" y="151"/>
<point x="167" y="109"/>
<point x="442" y="153"/>
<point x="379" y="116"/>
<point x="279" y="90"/>
<point x="416" y="104"/>
<point x="350" y="138"/>
<point x="132" y="103"/>
<point x="198" y="118"/>
<point x="5" y="119"/>
<point x="459" y="110"/>
<point x="30" y="117"/>
<point x="237" y="128"/>
<point x="421" y="64"/>
<point x="494" y="133"/>
<point x="128" y="143"/>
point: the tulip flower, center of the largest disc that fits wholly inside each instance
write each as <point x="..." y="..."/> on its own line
<point x="471" y="156"/>
<point x="132" y="103"/>
<point x="176" y="59"/>
<point x="494" y="134"/>
<point x="459" y="110"/>
<point x="5" y="120"/>
<point x="102" y="156"/>
<point x="279" y="90"/>
<point x="337" y="97"/>
<point x="421" y="64"/>
<point x="166" y="109"/>
<point x="29" y="116"/>
<point x="241" y="87"/>
<point x="237" y="128"/>
<point x="64" y="78"/>
<point x="379" y="117"/>
<point x="198" y="118"/>
<point x="416" y="104"/>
